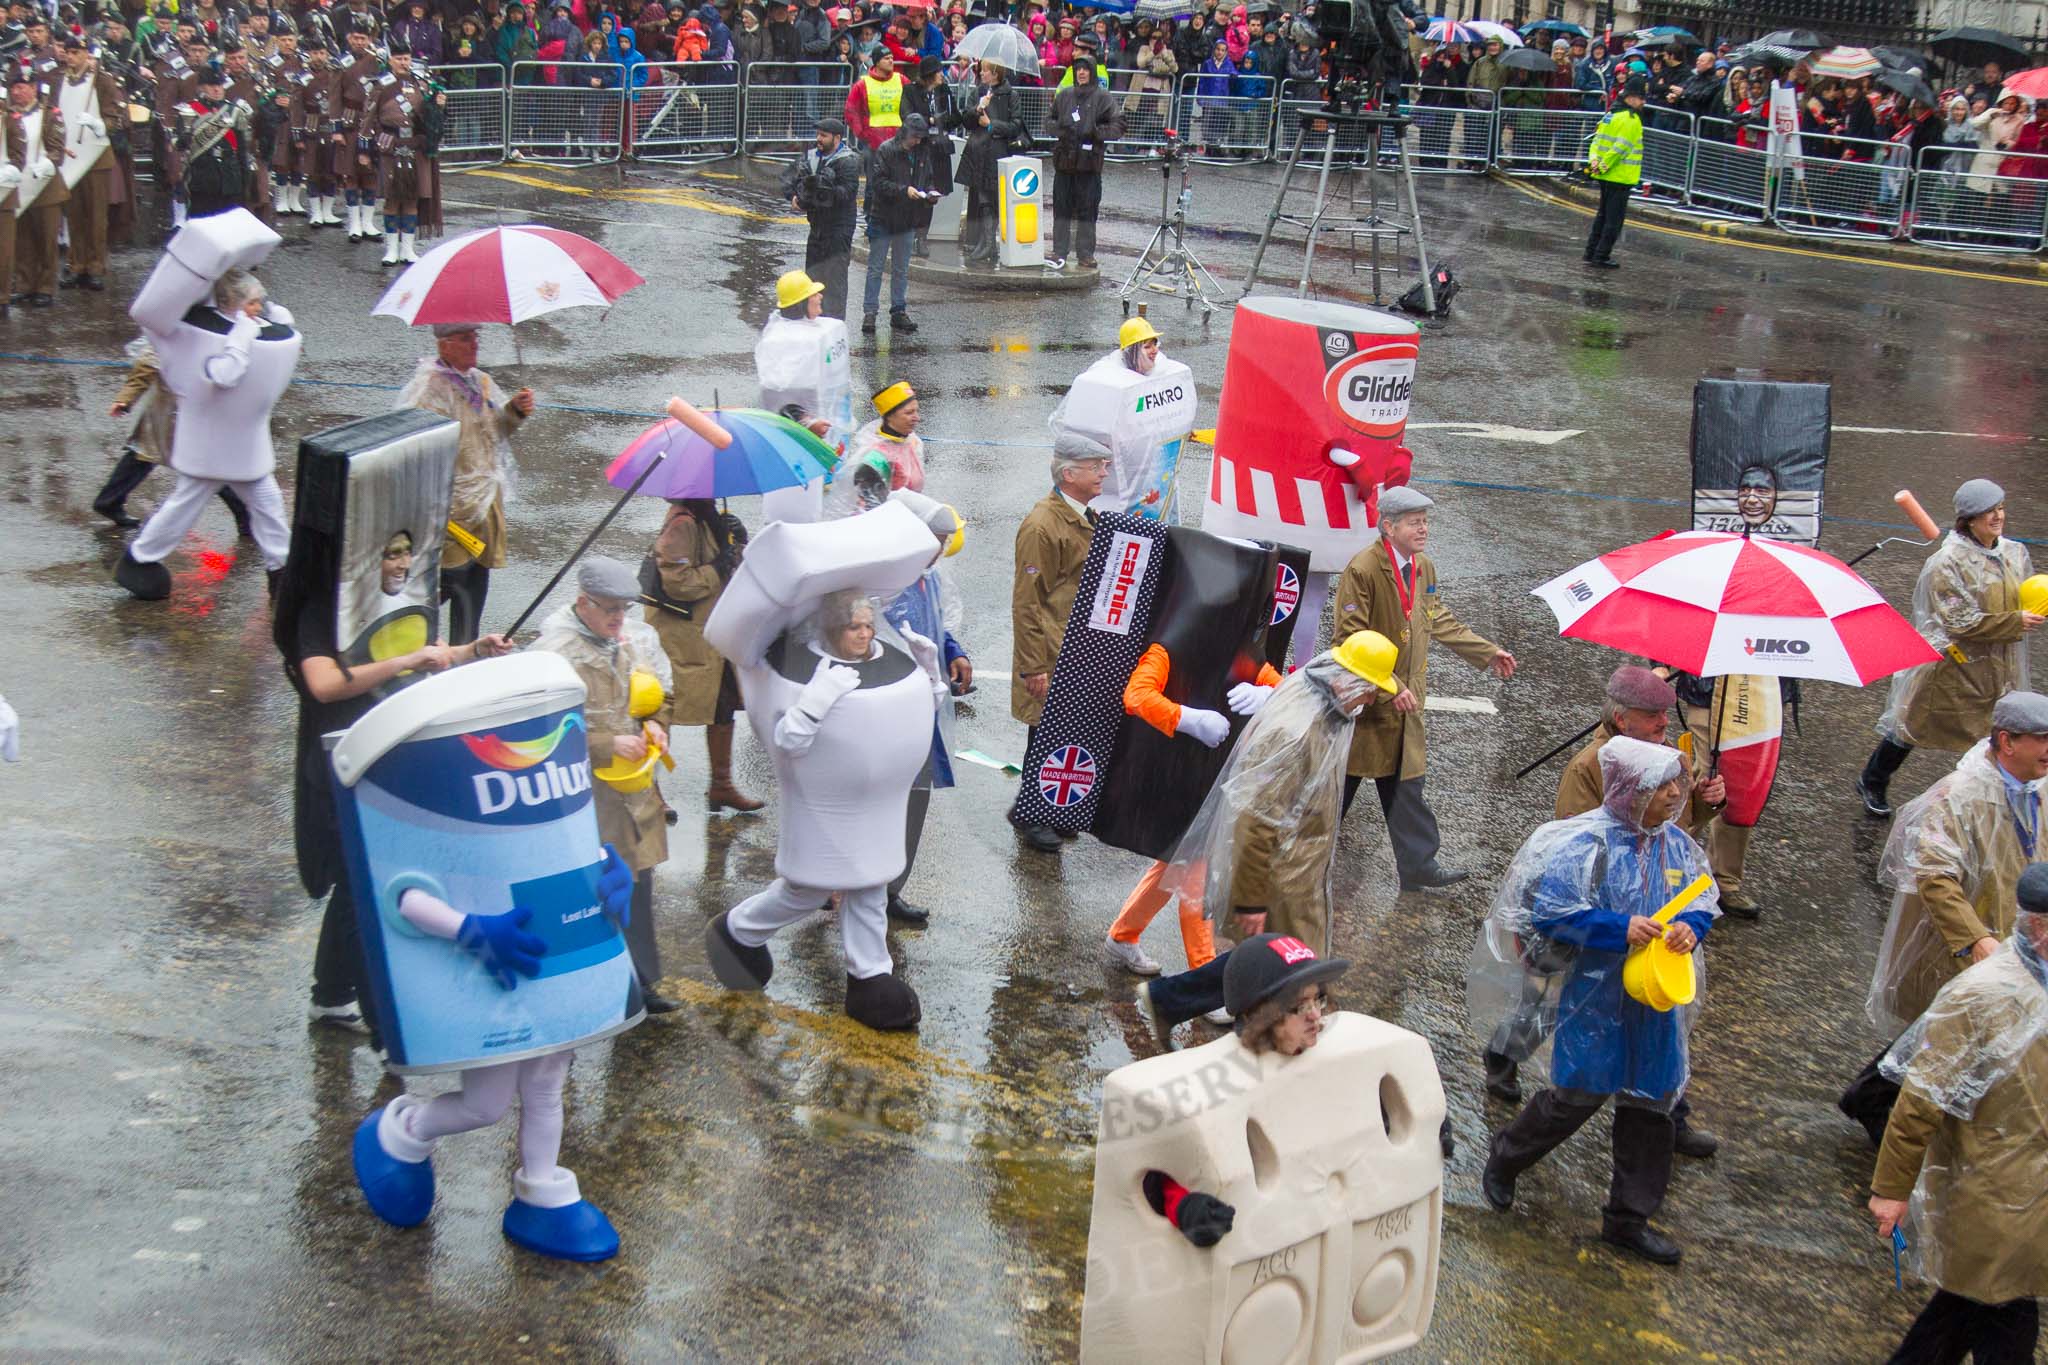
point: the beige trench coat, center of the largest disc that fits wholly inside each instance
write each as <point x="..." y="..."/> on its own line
<point x="698" y="667"/>
<point x="631" y="822"/>
<point x="1052" y="547"/>
<point x="1386" y="743"/>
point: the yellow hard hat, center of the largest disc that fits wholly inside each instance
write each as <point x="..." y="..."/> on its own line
<point x="1371" y="656"/>
<point x="643" y="694"/>
<point x="2034" y="594"/>
<point x="794" y="288"/>
<point x="958" y="540"/>
<point x="1135" y="331"/>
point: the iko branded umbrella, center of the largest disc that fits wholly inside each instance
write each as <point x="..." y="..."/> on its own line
<point x="1008" y="47"/>
<point x="1713" y="603"/>
<point x="765" y="451"/>
<point x="506" y="274"/>
<point x="1976" y="46"/>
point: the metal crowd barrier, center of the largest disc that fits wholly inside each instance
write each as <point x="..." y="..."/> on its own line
<point x="1034" y="104"/>
<point x="1667" y="152"/>
<point x="1835" y="196"/>
<point x="567" y="112"/>
<point x="687" y="111"/>
<point x="1450" y="136"/>
<point x="779" y="111"/>
<point x="1536" y="141"/>
<point x="1147" y="116"/>
<point x="1728" y="178"/>
<point x="1231" y="126"/>
<point x="474" y="132"/>
<point x="1953" y="208"/>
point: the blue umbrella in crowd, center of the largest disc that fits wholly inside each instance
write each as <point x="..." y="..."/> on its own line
<point x="764" y="451"/>
<point x="1557" y="26"/>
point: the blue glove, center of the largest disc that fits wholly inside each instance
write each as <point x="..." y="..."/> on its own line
<point x="615" y="888"/>
<point x="502" y="944"/>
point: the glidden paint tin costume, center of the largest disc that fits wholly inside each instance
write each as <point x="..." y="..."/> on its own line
<point x="474" y="786"/>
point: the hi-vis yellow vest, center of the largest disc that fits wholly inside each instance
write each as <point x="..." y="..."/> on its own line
<point x="885" y="101"/>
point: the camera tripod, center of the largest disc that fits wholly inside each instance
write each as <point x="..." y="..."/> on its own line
<point x="1176" y="270"/>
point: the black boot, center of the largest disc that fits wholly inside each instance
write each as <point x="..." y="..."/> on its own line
<point x="1503" y="1080"/>
<point x="882" y="1002"/>
<point x="1874" y="783"/>
<point x="737" y="967"/>
<point x="899" y="321"/>
<point x="112" y="502"/>
<point x="148" y="582"/>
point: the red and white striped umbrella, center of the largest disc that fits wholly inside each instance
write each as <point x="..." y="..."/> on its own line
<point x="506" y="274"/>
<point x="1712" y="603"/>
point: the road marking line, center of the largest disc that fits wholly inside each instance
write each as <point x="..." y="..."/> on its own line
<point x="241" y="1198"/>
<point x="677" y="198"/>
<point x="140" y="1072"/>
<point x="1719" y="239"/>
<point x="1964" y="435"/>
<point x="187" y="1224"/>
<point x="1471" y="706"/>
<point x="168" y="1257"/>
<point x="162" y="1123"/>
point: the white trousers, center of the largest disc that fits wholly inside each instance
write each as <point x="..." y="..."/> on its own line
<point x="863" y="921"/>
<point x="485" y="1096"/>
<point x="162" y="533"/>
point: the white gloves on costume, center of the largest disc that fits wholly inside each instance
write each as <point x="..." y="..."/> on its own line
<point x="927" y="655"/>
<point x="1248" y="698"/>
<point x="10" y="176"/>
<point x="798" y="728"/>
<point x="93" y="124"/>
<point x="1207" y="726"/>
<point x="10" y="733"/>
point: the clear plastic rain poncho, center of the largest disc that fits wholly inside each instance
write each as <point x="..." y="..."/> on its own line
<point x="1960" y="584"/>
<point x="1973" y="1070"/>
<point x="1265" y="834"/>
<point x="1547" y="967"/>
<point x="1965" y="828"/>
<point x="477" y="404"/>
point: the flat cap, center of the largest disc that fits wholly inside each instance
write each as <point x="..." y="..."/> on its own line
<point x="1401" y="499"/>
<point x="1639" y="689"/>
<point x="834" y="126"/>
<point x="455" y="329"/>
<point x="602" y="577"/>
<point x="2033" y="889"/>
<point x="1977" y="497"/>
<point x="2021" y="713"/>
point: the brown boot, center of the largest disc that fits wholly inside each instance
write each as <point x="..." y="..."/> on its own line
<point x="722" y="793"/>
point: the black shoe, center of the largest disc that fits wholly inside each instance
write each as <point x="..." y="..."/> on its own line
<point x="1876" y="800"/>
<point x="1498" y="1187"/>
<point x="1502" y="1078"/>
<point x="882" y="1002"/>
<point x="1435" y="877"/>
<point x="19" y="298"/>
<point x="1645" y="1241"/>
<point x="40" y="300"/>
<point x="867" y="324"/>
<point x="119" y="515"/>
<point x="1697" y="1143"/>
<point x="68" y="280"/>
<point x="1616" y="265"/>
<point x="654" y="1002"/>
<point x="1446" y="1141"/>
<point x="91" y="283"/>
<point x="148" y="582"/>
<point x="271" y="578"/>
<point x="1087" y="262"/>
<point x="900" y="322"/>
<point x="737" y="967"/>
<point x="903" y="912"/>
<point x="1040" y="837"/>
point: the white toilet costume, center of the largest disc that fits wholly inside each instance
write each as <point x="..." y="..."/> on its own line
<point x="228" y="373"/>
<point x="846" y="748"/>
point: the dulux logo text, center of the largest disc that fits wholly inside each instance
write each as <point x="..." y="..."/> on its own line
<point x="496" y="791"/>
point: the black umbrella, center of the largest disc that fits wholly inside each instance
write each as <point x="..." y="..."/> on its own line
<point x="1976" y="46"/>
<point x="1902" y="58"/>
<point x="1664" y="40"/>
<point x="1909" y="85"/>
<point x="1527" y="59"/>
<point x="1798" y="39"/>
<point x="1764" y="54"/>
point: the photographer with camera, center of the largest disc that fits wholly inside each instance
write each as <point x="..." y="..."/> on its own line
<point x="824" y="186"/>
<point x="1083" y="122"/>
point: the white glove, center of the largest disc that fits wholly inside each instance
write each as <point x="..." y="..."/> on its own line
<point x="10" y="176"/>
<point x="798" y="728"/>
<point x="1248" y="699"/>
<point x="96" y="125"/>
<point x="10" y="733"/>
<point x="924" y="651"/>
<point x="1207" y="726"/>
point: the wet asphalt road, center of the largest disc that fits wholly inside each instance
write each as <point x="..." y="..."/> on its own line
<point x="789" y="1186"/>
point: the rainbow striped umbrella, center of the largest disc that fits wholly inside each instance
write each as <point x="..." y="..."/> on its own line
<point x="767" y="451"/>
<point x="1847" y="63"/>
